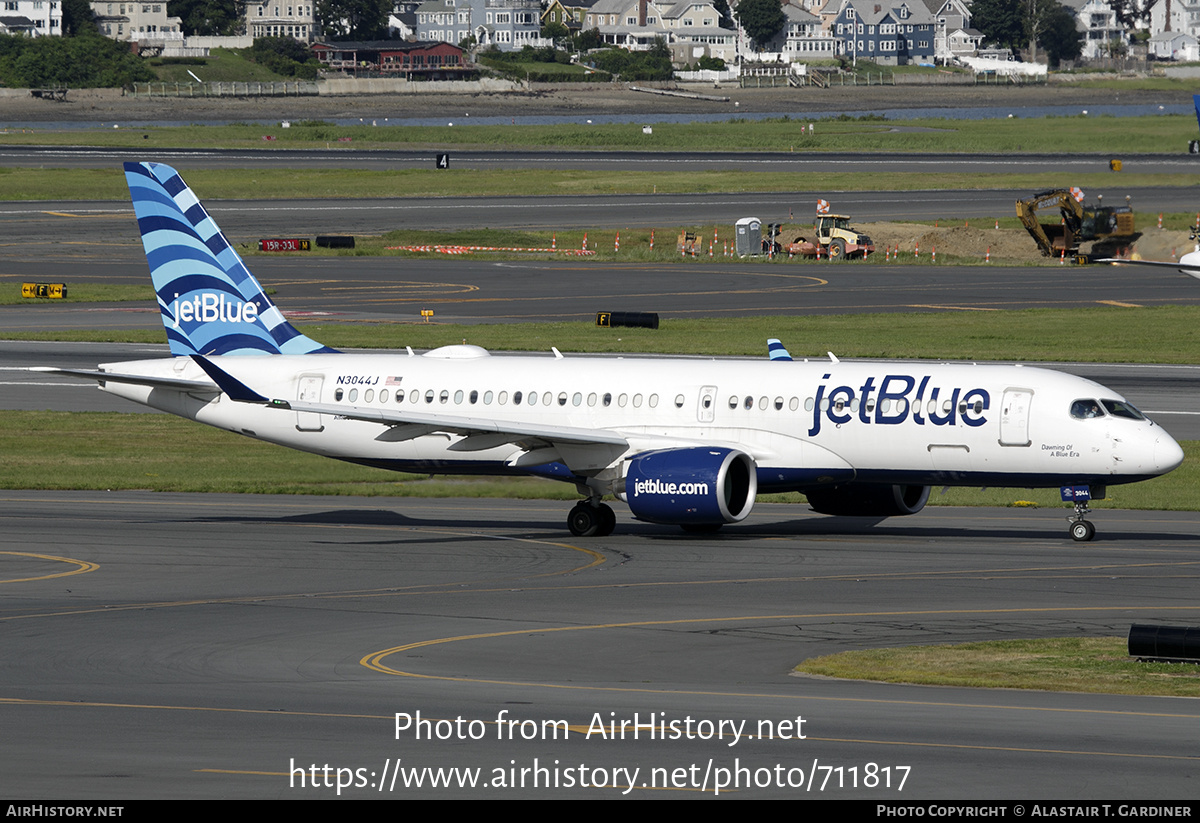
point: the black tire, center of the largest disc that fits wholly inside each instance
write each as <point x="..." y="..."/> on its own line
<point x="1082" y="531"/>
<point x="608" y="521"/>
<point x="584" y="520"/>
<point x="837" y="250"/>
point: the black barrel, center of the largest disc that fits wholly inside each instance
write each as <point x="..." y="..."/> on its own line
<point x="1165" y="642"/>
<point x="628" y="319"/>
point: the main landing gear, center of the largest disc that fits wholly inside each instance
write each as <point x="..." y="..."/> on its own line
<point x="591" y="519"/>
<point x="1081" y="530"/>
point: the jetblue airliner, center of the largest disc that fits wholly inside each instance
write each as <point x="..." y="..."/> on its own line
<point x="681" y="441"/>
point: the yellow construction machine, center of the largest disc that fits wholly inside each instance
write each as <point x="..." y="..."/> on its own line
<point x="1107" y="228"/>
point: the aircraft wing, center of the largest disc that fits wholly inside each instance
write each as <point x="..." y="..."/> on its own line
<point x="511" y="432"/>
<point x="1186" y="267"/>
<point x="173" y="383"/>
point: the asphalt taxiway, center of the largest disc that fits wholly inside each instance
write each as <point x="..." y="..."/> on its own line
<point x="223" y="646"/>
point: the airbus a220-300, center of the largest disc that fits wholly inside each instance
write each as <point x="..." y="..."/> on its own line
<point x="688" y="442"/>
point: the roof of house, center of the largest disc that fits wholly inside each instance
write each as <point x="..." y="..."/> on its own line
<point x="871" y="12"/>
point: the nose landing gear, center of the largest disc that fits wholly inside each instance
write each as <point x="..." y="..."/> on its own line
<point x="1081" y="530"/>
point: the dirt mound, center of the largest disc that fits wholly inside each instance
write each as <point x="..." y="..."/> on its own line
<point x="960" y="240"/>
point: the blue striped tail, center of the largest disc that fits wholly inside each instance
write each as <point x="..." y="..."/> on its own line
<point x="210" y="302"/>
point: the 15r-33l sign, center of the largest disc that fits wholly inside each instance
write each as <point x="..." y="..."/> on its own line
<point x="284" y="244"/>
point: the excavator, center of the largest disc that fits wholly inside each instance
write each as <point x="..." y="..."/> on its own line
<point x="1108" y="227"/>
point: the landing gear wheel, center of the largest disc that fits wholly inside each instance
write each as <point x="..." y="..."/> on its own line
<point x="584" y="520"/>
<point x="837" y="250"/>
<point x="591" y="520"/>
<point x="608" y="521"/>
<point x="1082" y="531"/>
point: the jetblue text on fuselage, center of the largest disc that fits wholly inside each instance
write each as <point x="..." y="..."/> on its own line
<point x="207" y="307"/>
<point x="897" y="398"/>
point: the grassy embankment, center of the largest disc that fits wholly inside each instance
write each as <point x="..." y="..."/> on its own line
<point x="223" y="66"/>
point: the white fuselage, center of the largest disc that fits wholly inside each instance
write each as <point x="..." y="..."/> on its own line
<point x="803" y="423"/>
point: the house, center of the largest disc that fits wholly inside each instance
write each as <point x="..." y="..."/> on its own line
<point x="1097" y="20"/>
<point x="964" y="42"/>
<point x="696" y="25"/>
<point x="892" y="33"/>
<point x="1174" y="45"/>
<point x="631" y="24"/>
<point x="953" y="34"/>
<point x="570" y="13"/>
<point x="280" y="18"/>
<point x="431" y="61"/>
<point x="507" y="24"/>
<point x="32" y="18"/>
<point x="146" y="24"/>
<point x="804" y="38"/>
<point x="1184" y="16"/>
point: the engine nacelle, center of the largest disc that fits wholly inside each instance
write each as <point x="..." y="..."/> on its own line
<point x="686" y="487"/>
<point x="869" y="500"/>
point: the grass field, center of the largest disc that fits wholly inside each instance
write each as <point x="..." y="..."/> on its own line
<point x="1097" y="665"/>
<point x="1167" y="334"/>
<point x="29" y="184"/>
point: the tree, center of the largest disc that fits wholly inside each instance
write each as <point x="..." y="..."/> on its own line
<point x="78" y="19"/>
<point x="1001" y="22"/>
<point x="1131" y="12"/>
<point x="588" y="40"/>
<point x="722" y="8"/>
<point x="1061" y="39"/>
<point x="285" y="56"/>
<point x="207" y="17"/>
<point x="354" y="19"/>
<point x="1019" y="24"/>
<point x="555" y="32"/>
<point x="762" y="19"/>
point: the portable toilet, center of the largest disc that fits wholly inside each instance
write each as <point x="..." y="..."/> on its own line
<point x="749" y="236"/>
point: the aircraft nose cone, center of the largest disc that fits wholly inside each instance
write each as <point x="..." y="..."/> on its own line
<point x="1167" y="453"/>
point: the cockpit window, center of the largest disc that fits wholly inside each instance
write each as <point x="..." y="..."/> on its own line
<point x="1086" y="409"/>
<point x="1119" y="408"/>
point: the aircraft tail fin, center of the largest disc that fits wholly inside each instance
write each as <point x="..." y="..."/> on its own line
<point x="210" y="303"/>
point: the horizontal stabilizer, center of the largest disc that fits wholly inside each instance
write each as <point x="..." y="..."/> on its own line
<point x="175" y="383"/>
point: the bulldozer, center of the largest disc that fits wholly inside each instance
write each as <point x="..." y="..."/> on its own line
<point x="833" y="238"/>
<point x="1107" y="228"/>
